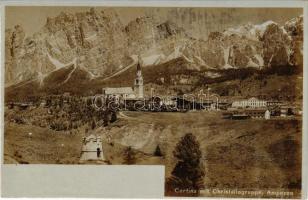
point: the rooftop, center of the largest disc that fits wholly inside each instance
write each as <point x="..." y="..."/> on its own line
<point x="120" y="90"/>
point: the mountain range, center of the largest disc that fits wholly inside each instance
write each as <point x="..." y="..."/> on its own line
<point x="74" y="51"/>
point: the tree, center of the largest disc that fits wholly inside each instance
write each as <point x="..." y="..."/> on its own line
<point x="48" y="102"/>
<point x="188" y="174"/>
<point x="93" y="125"/>
<point x="89" y="102"/>
<point x="113" y="117"/>
<point x="158" y="151"/>
<point x="61" y="101"/>
<point x="70" y="127"/>
<point x="129" y="156"/>
<point x="106" y="118"/>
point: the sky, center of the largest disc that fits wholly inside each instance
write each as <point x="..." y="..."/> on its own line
<point x="197" y="21"/>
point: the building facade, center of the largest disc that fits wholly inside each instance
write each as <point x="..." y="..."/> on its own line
<point x="119" y="92"/>
<point x="92" y="148"/>
<point x="273" y="103"/>
<point x="249" y="103"/>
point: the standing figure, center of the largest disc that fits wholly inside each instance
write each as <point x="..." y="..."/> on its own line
<point x="98" y="152"/>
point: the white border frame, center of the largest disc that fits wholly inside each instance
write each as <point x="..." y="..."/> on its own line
<point x="218" y="4"/>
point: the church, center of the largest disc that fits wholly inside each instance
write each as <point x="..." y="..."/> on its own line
<point x="136" y="92"/>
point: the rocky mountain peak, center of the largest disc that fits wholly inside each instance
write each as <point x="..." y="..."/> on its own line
<point x="169" y="28"/>
<point x="16" y="38"/>
<point x="105" y="46"/>
<point x="275" y="45"/>
<point x="295" y="26"/>
<point x="295" y="29"/>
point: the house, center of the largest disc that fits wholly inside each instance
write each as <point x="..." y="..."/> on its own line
<point x="247" y="113"/>
<point x="119" y="92"/>
<point x="239" y="116"/>
<point x="224" y="103"/>
<point x="273" y="103"/>
<point x="255" y="113"/>
<point x="283" y="111"/>
<point x="190" y="103"/>
<point x="249" y="103"/>
<point x="92" y="148"/>
<point x="286" y="110"/>
<point x="162" y="103"/>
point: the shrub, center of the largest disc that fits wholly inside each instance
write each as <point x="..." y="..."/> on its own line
<point x="129" y="156"/>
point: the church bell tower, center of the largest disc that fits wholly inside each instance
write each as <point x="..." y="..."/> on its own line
<point x="138" y="86"/>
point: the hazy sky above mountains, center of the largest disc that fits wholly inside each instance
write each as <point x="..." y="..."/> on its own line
<point x="197" y="21"/>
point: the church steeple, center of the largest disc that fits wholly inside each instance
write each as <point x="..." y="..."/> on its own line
<point x="138" y="86"/>
<point x="138" y="67"/>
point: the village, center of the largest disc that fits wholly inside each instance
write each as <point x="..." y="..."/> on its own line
<point x="71" y="113"/>
<point x="133" y="99"/>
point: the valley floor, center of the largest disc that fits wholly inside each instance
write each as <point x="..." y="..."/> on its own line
<point x="243" y="155"/>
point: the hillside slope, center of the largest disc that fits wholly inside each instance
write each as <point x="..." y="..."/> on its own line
<point x="173" y="77"/>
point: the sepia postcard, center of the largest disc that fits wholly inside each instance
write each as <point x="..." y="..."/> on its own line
<point x="213" y="94"/>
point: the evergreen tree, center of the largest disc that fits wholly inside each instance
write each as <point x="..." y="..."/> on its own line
<point x="48" y="102"/>
<point x="188" y="172"/>
<point x="113" y="117"/>
<point x="106" y="118"/>
<point x="89" y="102"/>
<point x="61" y="102"/>
<point x="158" y="151"/>
<point x="93" y="125"/>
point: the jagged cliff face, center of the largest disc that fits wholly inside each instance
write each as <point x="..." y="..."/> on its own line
<point x="250" y="45"/>
<point x="276" y="46"/>
<point x="99" y="44"/>
<point x="295" y="28"/>
<point x="96" y="39"/>
<point x="155" y="42"/>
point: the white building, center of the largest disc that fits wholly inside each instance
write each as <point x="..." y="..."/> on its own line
<point x="128" y="92"/>
<point x="249" y="103"/>
<point x="267" y="114"/>
<point x="92" y="148"/>
<point x="120" y="92"/>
